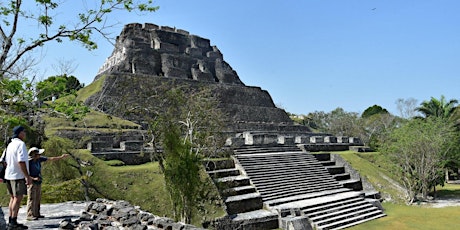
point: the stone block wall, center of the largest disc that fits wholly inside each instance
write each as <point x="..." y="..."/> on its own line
<point x="168" y="52"/>
<point x="339" y="161"/>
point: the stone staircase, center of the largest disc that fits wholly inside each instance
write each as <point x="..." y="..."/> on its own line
<point x="243" y="203"/>
<point x="277" y="181"/>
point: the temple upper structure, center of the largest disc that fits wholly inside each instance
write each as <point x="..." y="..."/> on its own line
<point x="168" y="52"/>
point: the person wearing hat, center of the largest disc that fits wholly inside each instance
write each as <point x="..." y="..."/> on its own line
<point x="34" y="191"/>
<point x="16" y="175"/>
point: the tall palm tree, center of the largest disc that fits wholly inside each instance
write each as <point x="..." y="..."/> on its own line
<point x="438" y="108"/>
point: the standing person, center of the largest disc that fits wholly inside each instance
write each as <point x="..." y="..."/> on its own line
<point x="34" y="191"/>
<point x="16" y="175"/>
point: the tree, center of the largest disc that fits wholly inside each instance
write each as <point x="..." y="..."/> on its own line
<point x="342" y="123"/>
<point x="376" y="121"/>
<point x="17" y="43"/>
<point x="438" y="108"/>
<point x="375" y="128"/>
<point x="71" y="108"/>
<point x="407" y="107"/>
<point x="71" y="170"/>
<point x="188" y="124"/>
<point x="420" y="150"/>
<point x="57" y="86"/>
<point x="318" y="121"/>
<point x="337" y="122"/>
<point x="375" y="109"/>
<point x="65" y="67"/>
<point x="16" y="101"/>
<point x="15" y="13"/>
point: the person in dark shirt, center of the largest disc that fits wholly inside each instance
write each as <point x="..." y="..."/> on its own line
<point x="34" y="190"/>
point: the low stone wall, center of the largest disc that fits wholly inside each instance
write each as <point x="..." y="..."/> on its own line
<point x="324" y="147"/>
<point x="339" y="161"/>
<point x="128" y="157"/>
<point x="113" y="215"/>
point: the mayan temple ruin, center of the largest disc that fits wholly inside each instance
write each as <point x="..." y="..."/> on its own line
<point x="272" y="180"/>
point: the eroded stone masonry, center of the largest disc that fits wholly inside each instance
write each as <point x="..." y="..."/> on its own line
<point x="169" y="52"/>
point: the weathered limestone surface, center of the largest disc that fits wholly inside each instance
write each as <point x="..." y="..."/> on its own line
<point x="147" y="56"/>
<point x="169" y="52"/>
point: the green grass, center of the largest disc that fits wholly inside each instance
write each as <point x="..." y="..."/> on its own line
<point x="404" y="217"/>
<point x="93" y="119"/>
<point x="90" y="89"/>
<point x="373" y="167"/>
<point x="448" y="191"/>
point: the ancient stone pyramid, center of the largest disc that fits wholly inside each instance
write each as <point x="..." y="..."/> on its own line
<point x="145" y="55"/>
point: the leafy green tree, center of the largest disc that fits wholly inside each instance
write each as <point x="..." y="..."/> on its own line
<point x="420" y="150"/>
<point x="376" y="122"/>
<point x="375" y="109"/>
<point x="438" y="107"/>
<point x="376" y="128"/>
<point x="189" y="131"/>
<point x="182" y="172"/>
<point x="318" y="121"/>
<point x="57" y="86"/>
<point x="16" y="103"/>
<point x="53" y="25"/>
<point x="17" y="43"/>
<point x="71" y="108"/>
<point x="343" y="123"/>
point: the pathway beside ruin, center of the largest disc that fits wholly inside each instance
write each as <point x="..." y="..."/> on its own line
<point x="54" y="214"/>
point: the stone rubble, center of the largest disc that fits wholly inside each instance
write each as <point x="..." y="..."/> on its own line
<point x="100" y="214"/>
<point x="116" y="215"/>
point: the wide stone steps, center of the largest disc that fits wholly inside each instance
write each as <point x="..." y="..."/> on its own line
<point x="303" y="172"/>
<point x="279" y="175"/>
<point x="278" y="203"/>
<point x="273" y="165"/>
<point x="320" y="210"/>
<point x="255" y="149"/>
<point x="283" y="194"/>
<point x="285" y="179"/>
<point x="333" y="211"/>
<point x="287" y="168"/>
<point x="243" y="203"/>
<point x="354" y="221"/>
<point x="346" y="221"/>
<point x="300" y="180"/>
<point x="293" y="183"/>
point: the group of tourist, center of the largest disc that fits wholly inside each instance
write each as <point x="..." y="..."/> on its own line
<point x="23" y="177"/>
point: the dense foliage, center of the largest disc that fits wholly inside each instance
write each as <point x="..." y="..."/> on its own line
<point x="421" y="150"/>
<point x="18" y="58"/>
<point x="188" y="130"/>
<point x="57" y="86"/>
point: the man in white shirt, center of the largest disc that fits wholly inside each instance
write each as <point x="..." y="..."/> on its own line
<point x="17" y="174"/>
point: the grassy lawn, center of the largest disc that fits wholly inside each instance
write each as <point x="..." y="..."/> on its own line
<point x="372" y="166"/>
<point x="414" y="217"/>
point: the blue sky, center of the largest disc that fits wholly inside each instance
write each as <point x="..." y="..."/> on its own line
<point x="314" y="55"/>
